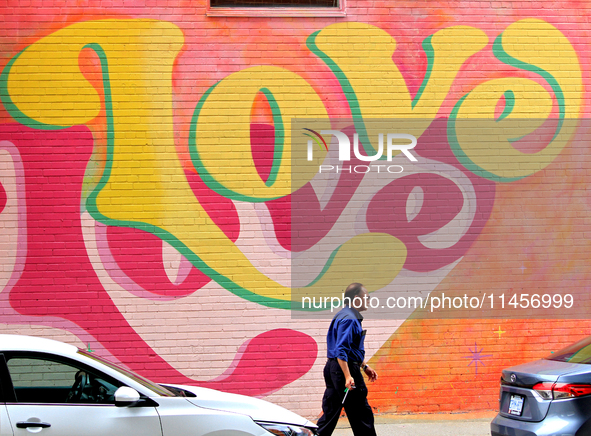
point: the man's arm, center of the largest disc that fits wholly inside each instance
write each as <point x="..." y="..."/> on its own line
<point x="343" y="347"/>
<point x="349" y="382"/>
<point x="369" y="372"/>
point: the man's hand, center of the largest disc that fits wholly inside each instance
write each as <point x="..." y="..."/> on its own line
<point x="349" y="383"/>
<point x="371" y="374"/>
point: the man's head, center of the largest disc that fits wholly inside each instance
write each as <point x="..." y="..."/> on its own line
<point x="356" y="296"/>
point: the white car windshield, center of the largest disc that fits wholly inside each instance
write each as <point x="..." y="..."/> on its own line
<point x="154" y="387"/>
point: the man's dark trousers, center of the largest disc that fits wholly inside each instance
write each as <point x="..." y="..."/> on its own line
<point x="357" y="408"/>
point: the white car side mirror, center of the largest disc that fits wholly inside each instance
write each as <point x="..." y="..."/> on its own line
<point x="126" y="396"/>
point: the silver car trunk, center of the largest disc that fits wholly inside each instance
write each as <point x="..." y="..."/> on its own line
<point x="517" y="398"/>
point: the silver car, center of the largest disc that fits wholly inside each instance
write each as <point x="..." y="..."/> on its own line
<point x="551" y="396"/>
<point x="52" y="388"/>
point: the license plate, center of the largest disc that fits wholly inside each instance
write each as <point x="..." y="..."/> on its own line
<point x="516" y="405"/>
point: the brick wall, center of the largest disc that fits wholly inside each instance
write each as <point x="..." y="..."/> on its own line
<point x="147" y="189"/>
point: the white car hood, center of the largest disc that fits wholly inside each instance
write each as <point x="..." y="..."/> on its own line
<point x="258" y="410"/>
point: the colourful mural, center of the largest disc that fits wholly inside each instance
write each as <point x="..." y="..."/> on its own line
<point x="147" y="194"/>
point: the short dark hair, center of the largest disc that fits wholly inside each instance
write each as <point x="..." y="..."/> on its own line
<point x="353" y="290"/>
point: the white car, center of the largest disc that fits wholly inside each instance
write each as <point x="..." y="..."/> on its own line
<point x="52" y="388"/>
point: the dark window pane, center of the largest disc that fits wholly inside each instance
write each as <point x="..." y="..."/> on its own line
<point x="41" y="380"/>
<point x="275" y="3"/>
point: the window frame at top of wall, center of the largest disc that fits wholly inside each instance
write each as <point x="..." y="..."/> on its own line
<point x="310" y="12"/>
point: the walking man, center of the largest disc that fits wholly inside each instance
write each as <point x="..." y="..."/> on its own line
<point x="346" y="362"/>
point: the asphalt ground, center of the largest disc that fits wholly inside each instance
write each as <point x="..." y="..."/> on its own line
<point x="456" y="424"/>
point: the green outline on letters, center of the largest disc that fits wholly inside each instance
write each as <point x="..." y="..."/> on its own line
<point x="12" y="109"/>
<point x="500" y="53"/>
<point x="430" y="53"/>
<point x="349" y="92"/>
<point x="91" y="205"/>
<point x="461" y="156"/>
<point x="509" y="104"/>
<point x="210" y="180"/>
<point x="506" y="58"/>
<point x="92" y="208"/>
<point x="91" y="201"/>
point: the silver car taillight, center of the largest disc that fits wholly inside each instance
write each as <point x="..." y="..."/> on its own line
<point x="557" y="391"/>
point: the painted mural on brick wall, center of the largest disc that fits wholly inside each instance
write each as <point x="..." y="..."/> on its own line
<point x="146" y="187"/>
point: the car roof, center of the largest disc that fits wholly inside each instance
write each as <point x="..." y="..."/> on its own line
<point x="34" y="343"/>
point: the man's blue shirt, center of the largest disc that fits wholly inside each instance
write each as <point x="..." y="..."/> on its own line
<point x="345" y="336"/>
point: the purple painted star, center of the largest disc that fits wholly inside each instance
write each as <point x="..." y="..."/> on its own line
<point x="476" y="357"/>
